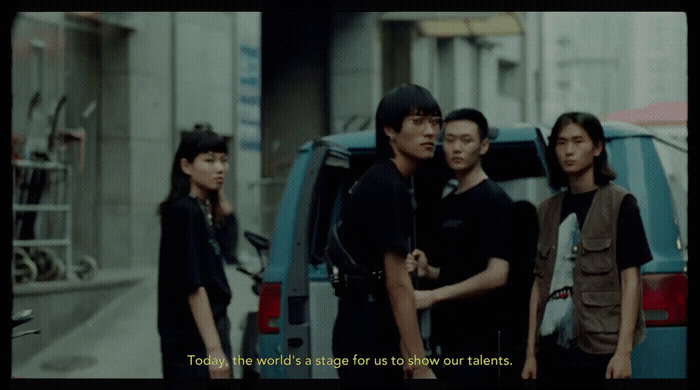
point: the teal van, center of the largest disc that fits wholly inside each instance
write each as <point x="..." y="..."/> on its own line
<point x="298" y="306"/>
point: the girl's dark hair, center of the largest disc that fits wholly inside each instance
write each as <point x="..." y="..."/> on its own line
<point x="602" y="171"/>
<point x="192" y="144"/>
<point x="396" y="105"/>
<point x="473" y="115"/>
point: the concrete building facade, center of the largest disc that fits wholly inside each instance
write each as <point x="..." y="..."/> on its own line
<point x="604" y="62"/>
<point x="267" y="81"/>
<point x="272" y="81"/>
<point x="150" y="76"/>
<point x="373" y="52"/>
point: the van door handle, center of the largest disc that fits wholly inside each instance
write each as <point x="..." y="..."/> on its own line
<point x="295" y="342"/>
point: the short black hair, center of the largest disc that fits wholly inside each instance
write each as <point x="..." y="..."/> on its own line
<point x="472" y="115"/>
<point x="602" y="171"/>
<point x="192" y="144"/>
<point x="396" y="105"/>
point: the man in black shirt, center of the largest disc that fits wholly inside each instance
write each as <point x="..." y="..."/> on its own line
<point x="377" y="321"/>
<point x="471" y="260"/>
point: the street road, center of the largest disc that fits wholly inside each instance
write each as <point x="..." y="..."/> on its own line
<point x="121" y="340"/>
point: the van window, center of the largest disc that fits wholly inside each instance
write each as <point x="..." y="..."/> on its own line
<point x="639" y="169"/>
<point x="675" y="164"/>
<point x="330" y="180"/>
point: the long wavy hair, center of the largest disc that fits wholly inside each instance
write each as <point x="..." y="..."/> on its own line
<point x="193" y="143"/>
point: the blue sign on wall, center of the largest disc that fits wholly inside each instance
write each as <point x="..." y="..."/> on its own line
<point x="249" y="102"/>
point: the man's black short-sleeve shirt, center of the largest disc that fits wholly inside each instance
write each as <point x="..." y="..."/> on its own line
<point x="377" y="216"/>
<point x="474" y="229"/>
<point x="189" y="258"/>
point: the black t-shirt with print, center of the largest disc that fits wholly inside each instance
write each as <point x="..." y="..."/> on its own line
<point x="632" y="245"/>
<point x="474" y="229"/>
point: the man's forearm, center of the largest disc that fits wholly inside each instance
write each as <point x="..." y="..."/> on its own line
<point x="532" y="319"/>
<point x="403" y="304"/>
<point x="629" y="308"/>
<point x="494" y="276"/>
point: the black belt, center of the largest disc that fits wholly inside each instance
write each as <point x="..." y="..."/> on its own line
<point x="359" y="297"/>
<point x="362" y="288"/>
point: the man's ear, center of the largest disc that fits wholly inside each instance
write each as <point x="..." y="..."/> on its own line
<point x="484" y="146"/>
<point x="389" y="131"/>
<point x="598" y="148"/>
<point x="186" y="166"/>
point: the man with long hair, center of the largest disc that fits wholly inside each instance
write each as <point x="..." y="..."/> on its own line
<point x="585" y="305"/>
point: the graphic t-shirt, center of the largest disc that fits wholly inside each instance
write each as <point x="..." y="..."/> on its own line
<point x="559" y="312"/>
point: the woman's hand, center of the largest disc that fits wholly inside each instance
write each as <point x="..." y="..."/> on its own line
<point x="224" y="207"/>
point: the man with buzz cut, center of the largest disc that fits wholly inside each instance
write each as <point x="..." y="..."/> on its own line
<point x="471" y="259"/>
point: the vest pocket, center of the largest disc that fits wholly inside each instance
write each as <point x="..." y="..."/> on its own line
<point x="594" y="255"/>
<point x="601" y="311"/>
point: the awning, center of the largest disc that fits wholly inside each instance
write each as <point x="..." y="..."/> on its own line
<point x="489" y="24"/>
<point x="672" y="113"/>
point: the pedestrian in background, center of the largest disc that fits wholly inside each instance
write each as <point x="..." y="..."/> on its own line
<point x="193" y="293"/>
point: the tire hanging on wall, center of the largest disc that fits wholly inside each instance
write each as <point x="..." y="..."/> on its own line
<point x="25" y="269"/>
<point x="86" y="267"/>
<point x="47" y="263"/>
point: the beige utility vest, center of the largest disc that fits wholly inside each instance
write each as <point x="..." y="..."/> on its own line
<point x="597" y="292"/>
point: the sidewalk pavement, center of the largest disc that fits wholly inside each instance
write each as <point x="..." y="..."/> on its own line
<point x="121" y="340"/>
